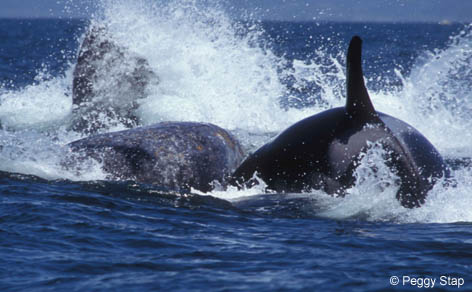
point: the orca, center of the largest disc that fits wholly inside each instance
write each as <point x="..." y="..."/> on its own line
<point x="323" y="151"/>
<point x="108" y="80"/>
<point x="172" y="155"/>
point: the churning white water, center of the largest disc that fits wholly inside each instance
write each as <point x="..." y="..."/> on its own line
<point x="217" y="70"/>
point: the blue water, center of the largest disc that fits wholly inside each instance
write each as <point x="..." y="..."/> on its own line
<point x="61" y="235"/>
<point x="78" y="232"/>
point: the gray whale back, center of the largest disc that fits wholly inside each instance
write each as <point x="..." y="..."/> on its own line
<point x="174" y="155"/>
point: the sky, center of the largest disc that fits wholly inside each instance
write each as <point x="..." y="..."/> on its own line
<point x="300" y="10"/>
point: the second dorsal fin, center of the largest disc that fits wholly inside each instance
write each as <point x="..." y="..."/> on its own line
<point x="358" y="104"/>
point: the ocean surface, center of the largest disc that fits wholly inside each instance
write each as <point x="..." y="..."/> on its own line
<point x="73" y="230"/>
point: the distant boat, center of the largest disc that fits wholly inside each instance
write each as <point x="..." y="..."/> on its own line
<point x="445" y="22"/>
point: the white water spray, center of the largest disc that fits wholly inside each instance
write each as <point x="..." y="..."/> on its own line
<point x="214" y="69"/>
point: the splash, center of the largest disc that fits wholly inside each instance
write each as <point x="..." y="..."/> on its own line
<point x="28" y="108"/>
<point x="375" y="187"/>
<point x="321" y="79"/>
<point x="212" y="68"/>
<point x="37" y="153"/>
<point x="436" y="97"/>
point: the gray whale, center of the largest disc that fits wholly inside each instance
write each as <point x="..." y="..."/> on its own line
<point x="322" y="151"/>
<point x="173" y="155"/>
<point x="108" y="79"/>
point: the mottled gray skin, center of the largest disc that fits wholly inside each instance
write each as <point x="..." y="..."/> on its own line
<point x="108" y="79"/>
<point x="174" y="155"/>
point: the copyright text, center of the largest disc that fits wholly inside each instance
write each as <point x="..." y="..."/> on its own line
<point x="427" y="282"/>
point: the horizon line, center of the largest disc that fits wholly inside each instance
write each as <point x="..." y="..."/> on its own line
<point x="440" y="22"/>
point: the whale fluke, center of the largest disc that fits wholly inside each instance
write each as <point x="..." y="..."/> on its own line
<point x="108" y="80"/>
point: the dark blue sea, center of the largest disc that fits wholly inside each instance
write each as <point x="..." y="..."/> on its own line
<point x="75" y="230"/>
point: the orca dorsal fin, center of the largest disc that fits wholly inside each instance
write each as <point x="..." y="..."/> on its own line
<point x="358" y="104"/>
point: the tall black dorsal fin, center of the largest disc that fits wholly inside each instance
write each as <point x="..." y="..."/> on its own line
<point x="358" y="102"/>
